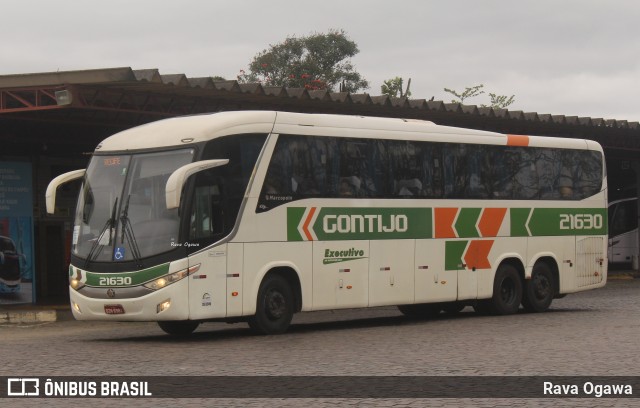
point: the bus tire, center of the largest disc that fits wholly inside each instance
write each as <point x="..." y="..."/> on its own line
<point x="274" y="308"/>
<point x="178" y="328"/>
<point x="539" y="290"/>
<point x="507" y="290"/>
<point x="422" y="310"/>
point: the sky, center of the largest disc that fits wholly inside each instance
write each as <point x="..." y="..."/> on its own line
<point x="563" y="57"/>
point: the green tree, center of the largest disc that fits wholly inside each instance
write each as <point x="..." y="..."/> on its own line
<point x="394" y="87"/>
<point x="469" y="92"/>
<point x="501" y="101"/>
<point x="497" y="101"/>
<point x="316" y="61"/>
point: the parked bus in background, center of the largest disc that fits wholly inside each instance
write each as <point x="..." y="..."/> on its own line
<point x="254" y="216"/>
<point x="9" y="266"/>
<point x="623" y="230"/>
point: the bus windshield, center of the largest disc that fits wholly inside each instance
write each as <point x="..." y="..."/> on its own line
<point x="122" y="213"/>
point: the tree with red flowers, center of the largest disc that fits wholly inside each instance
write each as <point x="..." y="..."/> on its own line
<point x="316" y="61"/>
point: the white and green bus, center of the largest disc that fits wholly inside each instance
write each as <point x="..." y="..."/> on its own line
<point x="257" y="215"/>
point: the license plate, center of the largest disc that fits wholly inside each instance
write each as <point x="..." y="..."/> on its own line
<point x="113" y="309"/>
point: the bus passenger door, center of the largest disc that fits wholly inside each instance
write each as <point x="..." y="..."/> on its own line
<point x="208" y="285"/>
<point x="433" y="281"/>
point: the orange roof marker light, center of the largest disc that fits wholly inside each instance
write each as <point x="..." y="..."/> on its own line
<point x="517" y="140"/>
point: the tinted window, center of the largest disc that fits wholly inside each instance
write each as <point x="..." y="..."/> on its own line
<point x="305" y="167"/>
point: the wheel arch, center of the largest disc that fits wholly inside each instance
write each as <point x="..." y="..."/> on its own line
<point x="286" y="270"/>
<point x="515" y="261"/>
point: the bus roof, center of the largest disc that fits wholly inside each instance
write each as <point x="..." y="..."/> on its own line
<point x="187" y="130"/>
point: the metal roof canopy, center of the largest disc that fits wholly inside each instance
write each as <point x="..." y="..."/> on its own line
<point x="118" y="98"/>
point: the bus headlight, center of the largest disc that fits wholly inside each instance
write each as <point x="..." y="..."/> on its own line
<point x="167" y="280"/>
<point x="75" y="284"/>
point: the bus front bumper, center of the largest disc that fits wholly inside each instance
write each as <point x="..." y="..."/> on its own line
<point x="169" y="303"/>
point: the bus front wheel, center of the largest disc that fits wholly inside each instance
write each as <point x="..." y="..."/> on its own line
<point x="275" y="306"/>
<point x="178" y="328"/>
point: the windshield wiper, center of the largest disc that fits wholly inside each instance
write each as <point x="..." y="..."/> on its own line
<point x="127" y="231"/>
<point x="109" y="226"/>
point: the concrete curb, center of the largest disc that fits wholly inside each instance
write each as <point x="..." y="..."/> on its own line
<point x="623" y="276"/>
<point x="28" y="316"/>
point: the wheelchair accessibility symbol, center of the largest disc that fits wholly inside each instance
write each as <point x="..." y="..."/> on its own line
<point x="118" y="254"/>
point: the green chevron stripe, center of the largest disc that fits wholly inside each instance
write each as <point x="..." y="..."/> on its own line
<point x="453" y="252"/>
<point x="466" y="223"/>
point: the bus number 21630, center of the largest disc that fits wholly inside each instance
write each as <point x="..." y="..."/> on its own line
<point x="580" y="221"/>
<point x="115" y="281"/>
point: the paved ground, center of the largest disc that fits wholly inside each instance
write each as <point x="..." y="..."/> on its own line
<point x="592" y="333"/>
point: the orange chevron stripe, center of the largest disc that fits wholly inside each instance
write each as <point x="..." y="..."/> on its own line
<point x="490" y="221"/>
<point x="444" y="218"/>
<point x="305" y="226"/>
<point x="477" y="255"/>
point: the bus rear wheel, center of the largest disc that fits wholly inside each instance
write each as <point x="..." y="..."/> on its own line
<point x="538" y="291"/>
<point x="275" y="306"/>
<point x="507" y="291"/>
<point x="178" y="328"/>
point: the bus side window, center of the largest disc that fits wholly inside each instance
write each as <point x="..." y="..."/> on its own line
<point x="517" y="173"/>
<point x="456" y="170"/>
<point x="478" y="172"/>
<point x="565" y="182"/>
<point x="206" y="216"/>
<point x="354" y="177"/>
<point x="428" y="168"/>
<point x="589" y="174"/>
<point x="406" y="163"/>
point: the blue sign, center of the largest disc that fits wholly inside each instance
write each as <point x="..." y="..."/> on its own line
<point x="118" y="254"/>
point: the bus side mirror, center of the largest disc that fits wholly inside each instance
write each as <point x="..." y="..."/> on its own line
<point x="177" y="179"/>
<point x="50" y="195"/>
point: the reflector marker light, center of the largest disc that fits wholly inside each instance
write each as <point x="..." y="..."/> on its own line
<point x="163" y="306"/>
